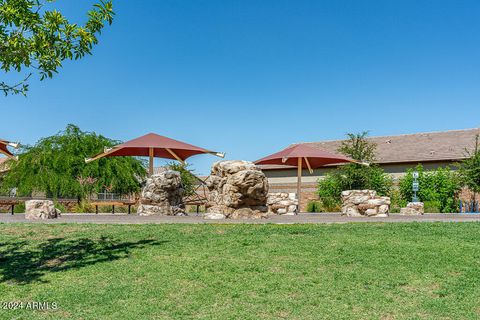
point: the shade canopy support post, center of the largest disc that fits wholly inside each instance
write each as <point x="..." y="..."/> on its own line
<point x="308" y="165"/>
<point x="8" y="155"/>
<point x="106" y="152"/>
<point x="299" y="183"/>
<point x="150" y="162"/>
<point x="175" y="155"/>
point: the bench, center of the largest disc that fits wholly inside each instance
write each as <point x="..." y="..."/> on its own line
<point x="114" y="203"/>
<point x="9" y="202"/>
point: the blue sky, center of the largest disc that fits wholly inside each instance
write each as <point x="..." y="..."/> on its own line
<point x="250" y="77"/>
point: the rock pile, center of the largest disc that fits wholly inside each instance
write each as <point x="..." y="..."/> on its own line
<point x="282" y="203"/>
<point x="162" y="195"/>
<point x="413" y="208"/>
<point x="237" y="189"/>
<point x="357" y="203"/>
<point x="40" y="209"/>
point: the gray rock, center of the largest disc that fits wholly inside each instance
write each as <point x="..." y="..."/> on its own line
<point x="350" y="210"/>
<point x="162" y="195"/>
<point x="413" y="208"/>
<point x="248" y="213"/>
<point x="383" y="209"/>
<point x="282" y="203"/>
<point x="357" y="203"/>
<point x="214" y="216"/>
<point x="40" y="209"/>
<point x="237" y="189"/>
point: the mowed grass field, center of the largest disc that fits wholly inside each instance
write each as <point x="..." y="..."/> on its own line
<point x="348" y="271"/>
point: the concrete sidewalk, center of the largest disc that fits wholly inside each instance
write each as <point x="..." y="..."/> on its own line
<point x="301" y="218"/>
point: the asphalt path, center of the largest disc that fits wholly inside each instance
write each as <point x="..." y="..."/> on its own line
<point x="301" y="218"/>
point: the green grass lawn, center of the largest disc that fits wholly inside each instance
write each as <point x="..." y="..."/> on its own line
<point x="349" y="271"/>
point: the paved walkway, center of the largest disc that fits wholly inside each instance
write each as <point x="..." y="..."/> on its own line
<point x="301" y="218"/>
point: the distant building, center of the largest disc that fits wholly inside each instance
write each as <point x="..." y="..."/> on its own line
<point x="395" y="154"/>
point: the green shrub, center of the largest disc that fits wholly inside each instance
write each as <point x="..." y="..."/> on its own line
<point x="19" y="208"/>
<point x="330" y="205"/>
<point x="440" y="186"/>
<point x="358" y="177"/>
<point x="330" y="187"/>
<point x="60" y="207"/>
<point x="394" y="209"/>
<point x="396" y="201"/>
<point x="432" y="206"/>
<point x="313" y="206"/>
<point x="84" y="207"/>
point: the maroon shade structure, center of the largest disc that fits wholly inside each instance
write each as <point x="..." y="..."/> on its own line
<point x="153" y="145"/>
<point x="303" y="157"/>
<point x="4" y="148"/>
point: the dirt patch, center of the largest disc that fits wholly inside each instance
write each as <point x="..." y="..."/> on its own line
<point x="52" y="263"/>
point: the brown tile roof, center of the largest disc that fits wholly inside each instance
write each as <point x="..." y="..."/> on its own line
<point x="417" y="147"/>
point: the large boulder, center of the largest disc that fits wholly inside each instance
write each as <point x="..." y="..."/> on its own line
<point x="40" y="210"/>
<point x="237" y="189"/>
<point x="358" y="203"/>
<point x="162" y="195"/>
<point x="282" y="203"/>
<point x="413" y="208"/>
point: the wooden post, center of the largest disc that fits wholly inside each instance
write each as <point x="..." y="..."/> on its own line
<point x="129" y="207"/>
<point x="113" y="209"/>
<point x="150" y="164"/>
<point x="13" y="209"/>
<point x="299" y="184"/>
<point x="96" y="209"/>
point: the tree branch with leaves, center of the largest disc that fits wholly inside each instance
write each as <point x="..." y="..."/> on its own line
<point x="357" y="147"/>
<point x="35" y="40"/>
<point x="469" y="169"/>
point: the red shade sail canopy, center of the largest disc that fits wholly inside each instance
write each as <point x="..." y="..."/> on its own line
<point x="4" y="150"/>
<point x="314" y="157"/>
<point x="154" y="145"/>
<point x="141" y="147"/>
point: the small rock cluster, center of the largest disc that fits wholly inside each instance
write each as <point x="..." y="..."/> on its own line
<point x="413" y="208"/>
<point x="40" y="209"/>
<point x="282" y="203"/>
<point x="358" y="203"/>
<point x="162" y="195"/>
<point x="237" y="189"/>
